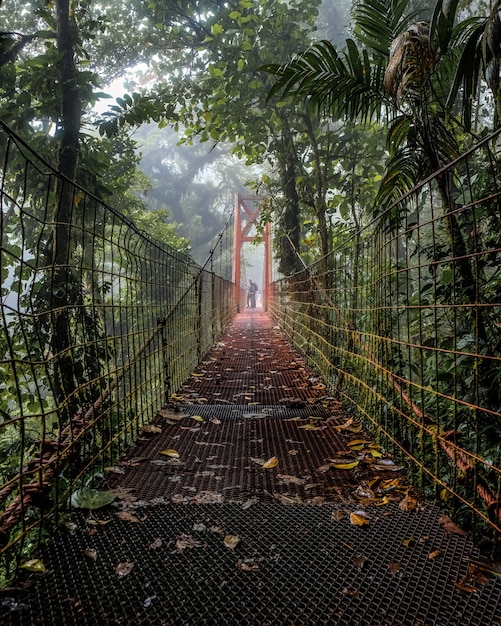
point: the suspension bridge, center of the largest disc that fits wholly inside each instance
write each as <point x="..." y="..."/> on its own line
<point x="172" y="456"/>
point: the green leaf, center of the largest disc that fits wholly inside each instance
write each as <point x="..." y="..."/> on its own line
<point x="87" y="498"/>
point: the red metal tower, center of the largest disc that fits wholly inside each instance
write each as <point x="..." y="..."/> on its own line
<point x="247" y="211"/>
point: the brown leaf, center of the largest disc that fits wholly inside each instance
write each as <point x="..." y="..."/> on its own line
<point x="349" y="591"/>
<point x="127" y="517"/>
<point x="465" y="586"/>
<point x="450" y="526"/>
<point x="187" y="541"/>
<point x="394" y="566"/>
<point x="286" y="478"/>
<point x="150" y="428"/>
<point x="408" y="504"/>
<point x="123" y="569"/>
<point x="359" y="561"/>
<point x="434" y="554"/>
<point x="337" y="516"/>
<point x="156" y="544"/>
<point x="91" y="553"/>
<point x="247" y="567"/>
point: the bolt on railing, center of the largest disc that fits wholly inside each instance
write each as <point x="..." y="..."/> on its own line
<point x="403" y="320"/>
<point x="91" y="344"/>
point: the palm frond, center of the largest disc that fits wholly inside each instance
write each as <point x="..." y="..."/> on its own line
<point x="348" y="84"/>
<point x="403" y="170"/>
<point x="378" y="22"/>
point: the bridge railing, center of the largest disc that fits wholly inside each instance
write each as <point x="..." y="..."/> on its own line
<point x="403" y="320"/>
<point x="99" y="324"/>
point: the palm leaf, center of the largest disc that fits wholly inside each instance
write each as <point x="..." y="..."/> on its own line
<point x="348" y="84"/>
<point x="378" y="22"/>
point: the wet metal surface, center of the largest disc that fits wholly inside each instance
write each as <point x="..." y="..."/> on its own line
<point x="203" y="532"/>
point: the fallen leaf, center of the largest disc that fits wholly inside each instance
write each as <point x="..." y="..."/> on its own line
<point x="337" y="516"/>
<point x="394" y="566"/>
<point x="215" y="420"/>
<point x="122" y="569"/>
<point x="247" y="567"/>
<point x="434" y="554"/>
<point x="376" y="454"/>
<point x="359" y="561"/>
<point x="197" y="418"/>
<point x="286" y="500"/>
<point x="273" y="462"/>
<point x="150" y="428"/>
<point x="408" y="543"/>
<point x="324" y="468"/>
<point x="293" y="452"/>
<point x="91" y="553"/>
<point x="311" y="427"/>
<point x="466" y="587"/>
<point x="359" y="442"/>
<point x="359" y="518"/>
<point x="156" y="544"/>
<point x="34" y="565"/>
<point x="408" y="504"/>
<point x="115" y="469"/>
<point x="187" y="541"/>
<point x="349" y="591"/>
<point x="127" y="517"/>
<point x="345" y="466"/>
<point x="231" y="541"/>
<point x="98" y="522"/>
<point x="87" y="498"/>
<point x="449" y="526"/>
<point x="386" y="465"/>
<point x="172" y="453"/>
<point x="286" y="478"/>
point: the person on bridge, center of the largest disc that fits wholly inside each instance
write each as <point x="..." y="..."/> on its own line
<point x="251" y="294"/>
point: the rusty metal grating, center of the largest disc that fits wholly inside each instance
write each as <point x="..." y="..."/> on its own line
<point x="221" y="456"/>
<point x="293" y="566"/>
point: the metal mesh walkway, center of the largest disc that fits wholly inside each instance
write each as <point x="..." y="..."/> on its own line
<point x="255" y="501"/>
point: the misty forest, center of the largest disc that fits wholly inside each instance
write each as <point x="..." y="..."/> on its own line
<point x="127" y="129"/>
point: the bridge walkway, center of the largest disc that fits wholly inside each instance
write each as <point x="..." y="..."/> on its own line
<point x="254" y="499"/>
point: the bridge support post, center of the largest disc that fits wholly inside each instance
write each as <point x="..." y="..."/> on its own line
<point x="246" y="217"/>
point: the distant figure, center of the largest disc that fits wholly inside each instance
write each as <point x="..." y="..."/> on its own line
<point x="251" y="294"/>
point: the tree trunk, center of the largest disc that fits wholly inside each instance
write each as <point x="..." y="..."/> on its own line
<point x="290" y="237"/>
<point x="62" y="288"/>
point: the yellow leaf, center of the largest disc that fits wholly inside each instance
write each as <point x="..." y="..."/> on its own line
<point x="311" y="427"/>
<point x="357" y="519"/>
<point x="195" y="374"/>
<point x="409" y="542"/>
<point x="358" y="442"/>
<point x="376" y="453"/>
<point x="345" y="465"/>
<point x="382" y="502"/>
<point x="358" y="447"/>
<point x="197" y="418"/>
<point x="273" y="462"/>
<point x="173" y="453"/>
<point x="231" y="541"/>
<point x="34" y="565"/>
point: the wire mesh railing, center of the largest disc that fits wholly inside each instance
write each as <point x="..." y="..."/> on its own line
<point x="99" y="324"/>
<point x="403" y="320"/>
